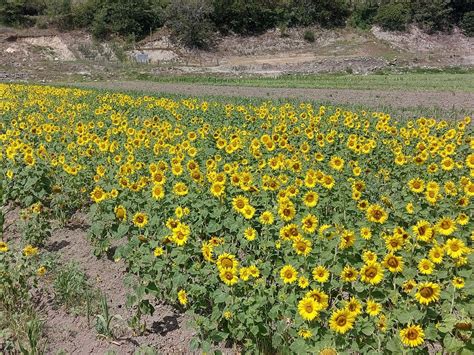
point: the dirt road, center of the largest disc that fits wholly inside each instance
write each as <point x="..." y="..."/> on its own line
<point x="371" y="98"/>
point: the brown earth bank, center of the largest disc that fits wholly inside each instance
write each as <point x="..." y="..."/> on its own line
<point x="371" y="98"/>
<point x="49" y="55"/>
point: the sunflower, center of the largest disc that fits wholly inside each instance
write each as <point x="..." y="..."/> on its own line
<point x="217" y="189"/>
<point x="436" y="254"/>
<point x="427" y="292"/>
<point x="302" y="246"/>
<point x="337" y="163"/>
<point x="228" y="277"/>
<point x="409" y="285"/>
<point x="423" y="230"/>
<point x="372" y="273"/>
<point x="206" y="250"/>
<point x="309" y="223"/>
<point x="248" y="212"/>
<point x="310" y="199"/>
<point x="416" y="185"/>
<point x="303" y="282"/>
<point x="305" y="333"/>
<point x="3" y="247"/>
<point x="182" y="297"/>
<point x="266" y="218"/>
<point x="394" y="242"/>
<point x="250" y="234"/>
<point x="30" y="250"/>
<point x="120" y="213"/>
<point x="308" y="308"/>
<point x="244" y="273"/>
<point x="354" y="306"/>
<point x="288" y="274"/>
<point x="98" y="195"/>
<point x="455" y="248"/>
<point x="287" y="211"/>
<point x="349" y="274"/>
<point x="158" y="192"/>
<point x="180" y="189"/>
<point x="376" y="214"/>
<point x="181" y="234"/>
<point x="158" y="251"/>
<point x="140" y="219"/>
<point x="366" y="233"/>
<point x="227" y="261"/>
<point x="373" y="308"/>
<point x="458" y="282"/>
<point x="369" y="256"/>
<point x="445" y="226"/>
<point x="393" y="263"/>
<point x="341" y="321"/>
<point x="320" y="274"/>
<point x="239" y="203"/>
<point x="412" y="336"/>
<point x="321" y="298"/>
<point x="425" y="267"/>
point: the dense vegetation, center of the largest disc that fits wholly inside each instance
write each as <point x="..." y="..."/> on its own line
<point x="195" y="22"/>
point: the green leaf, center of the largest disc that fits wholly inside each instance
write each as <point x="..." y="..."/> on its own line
<point x="452" y="344"/>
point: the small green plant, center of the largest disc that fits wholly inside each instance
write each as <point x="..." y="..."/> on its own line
<point x="35" y="226"/>
<point x="34" y="330"/>
<point x="21" y="328"/>
<point x="309" y="36"/>
<point x="104" y="321"/>
<point x="73" y="290"/>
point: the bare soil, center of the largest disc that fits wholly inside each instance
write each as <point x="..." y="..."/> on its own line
<point x="370" y="98"/>
<point x="167" y="332"/>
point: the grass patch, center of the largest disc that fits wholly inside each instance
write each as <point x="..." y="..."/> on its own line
<point x="73" y="290"/>
<point x="454" y="79"/>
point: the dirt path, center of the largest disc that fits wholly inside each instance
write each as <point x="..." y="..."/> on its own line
<point x="372" y="98"/>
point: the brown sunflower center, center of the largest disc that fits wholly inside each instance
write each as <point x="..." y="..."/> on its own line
<point x="341" y="320"/>
<point x="427" y="292"/>
<point x="412" y="334"/>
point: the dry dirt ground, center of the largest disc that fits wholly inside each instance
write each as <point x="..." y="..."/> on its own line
<point x="49" y="55"/>
<point x="168" y="331"/>
<point x="369" y="98"/>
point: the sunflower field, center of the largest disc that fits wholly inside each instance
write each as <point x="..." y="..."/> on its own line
<point x="279" y="226"/>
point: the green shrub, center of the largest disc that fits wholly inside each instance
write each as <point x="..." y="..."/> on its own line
<point x="135" y="18"/>
<point x="432" y="15"/>
<point x="467" y="23"/>
<point x="309" y="36"/>
<point x="363" y="16"/>
<point x="190" y="22"/>
<point x="392" y="17"/>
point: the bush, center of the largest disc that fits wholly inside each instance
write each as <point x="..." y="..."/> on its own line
<point x="326" y="13"/>
<point x="135" y="18"/>
<point x="432" y="15"/>
<point x="467" y="23"/>
<point x="363" y="16"/>
<point x="392" y="17"/>
<point x="190" y="22"/>
<point x="309" y="36"/>
<point x="20" y="12"/>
